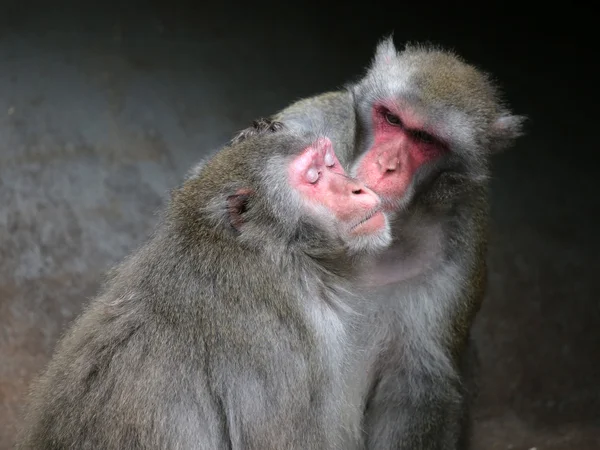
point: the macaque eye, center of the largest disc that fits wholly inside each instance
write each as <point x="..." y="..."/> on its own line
<point x="329" y="161"/>
<point x="392" y="119"/>
<point x="423" y="136"/>
<point x="312" y="175"/>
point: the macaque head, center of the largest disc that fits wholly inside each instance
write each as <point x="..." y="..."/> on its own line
<point x="289" y="191"/>
<point x="425" y="110"/>
<point x="334" y="201"/>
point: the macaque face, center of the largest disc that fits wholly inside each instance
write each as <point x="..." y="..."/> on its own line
<point x="331" y="195"/>
<point x="401" y="145"/>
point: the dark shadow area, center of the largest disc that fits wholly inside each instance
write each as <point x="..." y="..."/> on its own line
<point x="103" y="108"/>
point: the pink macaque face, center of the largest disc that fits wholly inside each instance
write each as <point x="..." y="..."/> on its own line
<point x="320" y="179"/>
<point x="401" y="145"/>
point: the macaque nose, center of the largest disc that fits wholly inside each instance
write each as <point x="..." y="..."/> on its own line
<point x="364" y="195"/>
<point x="388" y="161"/>
<point x="354" y="190"/>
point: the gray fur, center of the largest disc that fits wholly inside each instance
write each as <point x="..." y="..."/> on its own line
<point x="426" y="289"/>
<point x="212" y="337"/>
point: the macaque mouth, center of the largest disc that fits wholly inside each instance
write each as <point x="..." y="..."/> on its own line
<point x="371" y="223"/>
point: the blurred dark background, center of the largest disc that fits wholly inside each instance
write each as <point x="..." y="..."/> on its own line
<point x="103" y="107"/>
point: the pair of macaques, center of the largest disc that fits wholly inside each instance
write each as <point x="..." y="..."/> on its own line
<point x="293" y="300"/>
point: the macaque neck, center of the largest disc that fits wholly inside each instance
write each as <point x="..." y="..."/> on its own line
<point x="417" y="249"/>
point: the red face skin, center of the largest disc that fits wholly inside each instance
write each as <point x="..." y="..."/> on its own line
<point x="319" y="177"/>
<point x="400" y="147"/>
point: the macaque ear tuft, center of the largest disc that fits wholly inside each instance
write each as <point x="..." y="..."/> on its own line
<point x="505" y="130"/>
<point x="237" y="205"/>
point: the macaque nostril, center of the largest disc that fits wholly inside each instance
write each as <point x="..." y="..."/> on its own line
<point x="357" y="191"/>
<point x="387" y="165"/>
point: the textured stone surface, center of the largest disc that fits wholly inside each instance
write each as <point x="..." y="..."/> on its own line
<point x="103" y="111"/>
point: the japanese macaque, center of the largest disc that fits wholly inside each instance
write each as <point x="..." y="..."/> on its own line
<point x="231" y="328"/>
<point x="419" y="129"/>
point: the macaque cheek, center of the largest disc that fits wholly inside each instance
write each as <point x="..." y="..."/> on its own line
<point x="342" y="208"/>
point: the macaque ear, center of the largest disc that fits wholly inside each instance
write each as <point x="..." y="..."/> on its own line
<point x="237" y="205"/>
<point x="385" y="51"/>
<point x="505" y="130"/>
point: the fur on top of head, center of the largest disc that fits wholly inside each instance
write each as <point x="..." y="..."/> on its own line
<point x="461" y="101"/>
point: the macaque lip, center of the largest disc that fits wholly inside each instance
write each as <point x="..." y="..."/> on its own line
<point x="372" y="223"/>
